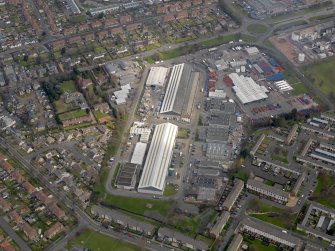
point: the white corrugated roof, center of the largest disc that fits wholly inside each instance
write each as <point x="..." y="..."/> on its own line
<point x="172" y="88"/>
<point x="158" y="159"/>
<point x="138" y="154"/>
<point x="247" y="90"/>
<point x="157" y="76"/>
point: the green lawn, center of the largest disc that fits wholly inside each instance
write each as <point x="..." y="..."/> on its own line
<point x="325" y="191"/>
<point x="256" y="245"/>
<point x="271" y="214"/>
<point x="61" y="107"/>
<point x="187" y="49"/>
<point x="280" y="154"/>
<point x="218" y="41"/>
<point x="242" y="175"/>
<point x="248" y="38"/>
<point x="99" y="115"/>
<point x="139" y="206"/>
<point x="169" y="190"/>
<point x="68" y="86"/>
<point x="321" y="17"/>
<point x="182" y="133"/>
<point x="257" y="28"/>
<point x="322" y="74"/>
<point x="72" y="115"/>
<point x="186" y="224"/>
<point x="99" y="242"/>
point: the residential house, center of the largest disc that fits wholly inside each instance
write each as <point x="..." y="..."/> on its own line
<point x="111" y="22"/>
<point x="116" y="31"/>
<point x="6" y="246"/>
<point x="29" y="231"/>
<point x="169" y="18"/>
<point x="28" y="187"/>
<point x="96" y="24"/>
<point x="54" y="230"/>
<point x="18" y="177"/>
<point x="75" y="39"/>
<point x="125" y="19"/>
<point x="180" y="240"/>
<point x="83" y="27"/>
<point x="5" y="205"/>
<point x="5" y="165"/>
<point x="102" y="34"/>
<point x="14" y="216"/>
<point x="122" y="220"/>
<point x="89" y="37"/>
<point x="53" y="207"/>
<point x="58" y="44"/>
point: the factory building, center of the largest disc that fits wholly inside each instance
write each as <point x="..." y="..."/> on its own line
<point x="247" y="90"/>
<point x="158" y="159"/>
<point x="179" y="96"/>
<point x="157" y="76"/>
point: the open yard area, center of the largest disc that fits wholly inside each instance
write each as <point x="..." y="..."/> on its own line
<point x="257" y="245"/>
<point x="139" y="206"/>
<point x="274" y="215"/>
<point x="97" y="241"/>
<point x="72" y="115"/>
<point x="322" y="74"/>
<point x="68" y="86"/>
<point x="325" y="190"/>
<point x="257" y="28"/>
<point x="280" y="154"/>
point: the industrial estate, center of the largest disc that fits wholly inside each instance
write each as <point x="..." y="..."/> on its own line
<point x="167" y="125"/>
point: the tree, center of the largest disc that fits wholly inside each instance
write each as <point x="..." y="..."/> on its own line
<point x="63" y="51"/>
<point x="25" y="58"/>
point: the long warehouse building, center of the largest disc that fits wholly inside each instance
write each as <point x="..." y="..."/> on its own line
<point x="180" y="92"/>
<point x="158" y="159"/>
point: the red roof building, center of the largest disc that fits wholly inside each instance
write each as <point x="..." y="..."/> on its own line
<point x="54" y="230"/>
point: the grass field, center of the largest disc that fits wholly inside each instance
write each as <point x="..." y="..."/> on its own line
<point x="325" y="191"/>
<point x="182" y="133"/>
<point x="280" y="154"/>
<point x="322" y="74"/>
<point x="298" y="86"/>
<point x="99" y="242"/>
<point x="274" y="215"/>
<point x="185" y="224"/>
<point x="72" y="115"/>
<point x="321" y="17"/>
<point x="292" y="24"/>
<point x="256" y="245"/>
<point x="174" y="53"/>
<point x="68" y="86"/>
<point x="61" y="107"/>
<point x="139" y="206"/>
<point x="242" y="175"/>
<point x="169" y="190"/>
<point x="257" y="28"/>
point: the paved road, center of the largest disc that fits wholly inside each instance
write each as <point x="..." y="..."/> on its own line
<point x="8" y="229"/>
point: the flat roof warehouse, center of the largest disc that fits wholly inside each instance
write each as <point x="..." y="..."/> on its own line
<point x="157" y="76"/>
<point x="247" y="90"/>
<point x="158" y="159"/>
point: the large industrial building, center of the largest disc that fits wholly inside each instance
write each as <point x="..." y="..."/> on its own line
<point x="247" y="90"/>
<point x="158" y="159"/>
<point x="157" y="76"/>
<point x="180" y="92"/>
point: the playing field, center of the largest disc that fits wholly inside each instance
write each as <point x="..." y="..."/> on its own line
<point x="100" y="242"/>
<point x="322" y="74"/>
<point x="325" y="190"/>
